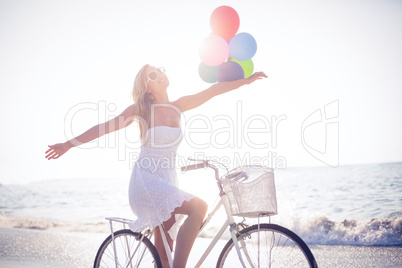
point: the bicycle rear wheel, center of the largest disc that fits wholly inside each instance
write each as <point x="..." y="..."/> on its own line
<point x="132" y="250"/>
<point x="277" y="247"/>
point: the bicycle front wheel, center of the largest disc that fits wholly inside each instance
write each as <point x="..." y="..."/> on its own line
<point x="132" y="250"/>
<point x="269" y="245"/>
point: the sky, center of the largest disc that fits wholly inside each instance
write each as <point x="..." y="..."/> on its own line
<point x="332" y="96"/>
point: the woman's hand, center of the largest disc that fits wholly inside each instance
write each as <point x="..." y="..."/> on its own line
<point x="57" y="150"/>
<point x="255" y="76"/>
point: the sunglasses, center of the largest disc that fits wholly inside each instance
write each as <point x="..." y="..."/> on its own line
<point x="152" y="76"/>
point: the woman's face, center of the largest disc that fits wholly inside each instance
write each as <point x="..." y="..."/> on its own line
<point x="156" y="79"/>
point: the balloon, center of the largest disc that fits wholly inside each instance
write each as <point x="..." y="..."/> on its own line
<point x="248" y="66"/>
<point x="224" y="22"/>
<point x="214" y="50"/>
<point x="229" y="71"/>
<point x="208" y="73"/>
<point x="242" y="46"/>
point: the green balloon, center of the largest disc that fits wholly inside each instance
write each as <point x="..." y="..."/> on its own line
<point x="248" y="66"/>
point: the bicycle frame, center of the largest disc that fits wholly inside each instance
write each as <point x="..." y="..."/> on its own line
<point x="230" y="222"/>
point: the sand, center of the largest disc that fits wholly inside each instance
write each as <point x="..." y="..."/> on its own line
<point x="23" y="248"/>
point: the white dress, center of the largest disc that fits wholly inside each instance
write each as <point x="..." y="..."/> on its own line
<point x="153" y="189"/>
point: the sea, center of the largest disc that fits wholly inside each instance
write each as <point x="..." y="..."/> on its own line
<point x="358" y="205"/>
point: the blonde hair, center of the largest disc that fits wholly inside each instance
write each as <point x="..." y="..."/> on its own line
<point x="143" y="100"/>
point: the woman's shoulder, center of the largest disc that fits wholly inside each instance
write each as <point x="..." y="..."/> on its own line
<point x="131" y="111"/>
<point x="178" y="105"/>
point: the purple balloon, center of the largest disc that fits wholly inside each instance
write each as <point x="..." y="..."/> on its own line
<point x="229" y="71"/>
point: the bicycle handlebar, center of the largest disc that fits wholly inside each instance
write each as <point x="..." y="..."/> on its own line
<point x="194" y="166"/>
<point x="204" y="164"/>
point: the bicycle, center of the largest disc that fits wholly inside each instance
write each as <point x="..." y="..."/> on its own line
<point x="247" y="192"/>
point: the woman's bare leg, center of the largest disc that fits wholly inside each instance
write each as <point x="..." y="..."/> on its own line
<point x="195" y="209"/>
<point x="159" y="241"/>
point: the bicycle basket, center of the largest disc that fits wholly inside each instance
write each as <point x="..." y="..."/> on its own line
<point x="251" y="191"/>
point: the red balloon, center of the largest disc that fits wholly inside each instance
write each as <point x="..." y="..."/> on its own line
<point x="224" y="22"/>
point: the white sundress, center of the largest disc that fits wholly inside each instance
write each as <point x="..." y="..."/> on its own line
<point x="153" y="189"/>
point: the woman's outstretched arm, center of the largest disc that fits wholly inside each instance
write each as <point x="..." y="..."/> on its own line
<point x="120" y="121"/>
<point x="192" y="101"/>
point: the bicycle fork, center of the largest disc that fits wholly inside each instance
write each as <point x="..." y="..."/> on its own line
<point x="234" y="231"/>
<point x="236" y="244"/>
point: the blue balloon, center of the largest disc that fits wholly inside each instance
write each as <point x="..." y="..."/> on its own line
<point x="229" y="71"/>
<point x="208" y="73"/>
<point x="242" y="47"/>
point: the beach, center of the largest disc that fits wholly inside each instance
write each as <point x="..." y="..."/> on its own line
<point x="23" y="248"/>
<point x="350" y="217"/>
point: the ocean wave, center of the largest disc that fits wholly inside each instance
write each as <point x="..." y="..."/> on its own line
<point x="323" y="231"/>
<point x="318" y="231"/>
<point x="375" y="232"/>
<point x="7" y="221"/>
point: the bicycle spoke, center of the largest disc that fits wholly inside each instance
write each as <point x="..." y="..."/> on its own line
<point x="278" y="248"/>
<point x="132" y="250"/>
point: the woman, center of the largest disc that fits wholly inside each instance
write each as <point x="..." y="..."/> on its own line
<point x="153" y="192"/>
